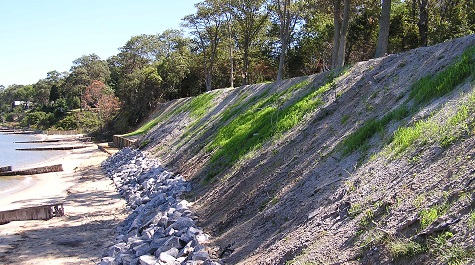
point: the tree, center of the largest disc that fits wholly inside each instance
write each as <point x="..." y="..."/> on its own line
<point x="423" y="22"/>
<point x="98" y="96"/>
<point x="250" y="17"/>
<point x="382" y="46"/>
<point x="84" y="71"/>
<point x="287" y="13"/>
<point x="206" y="26"/>
<point x="340" y="21"/>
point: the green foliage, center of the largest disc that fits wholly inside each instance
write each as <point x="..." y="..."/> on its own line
<point x="67" y="123"/>
<point x="37" y="119"/>
<point x="428" y="216"/>
<point x="84" y="121"/>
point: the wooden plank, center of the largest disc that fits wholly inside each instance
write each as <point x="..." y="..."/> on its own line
<point x="6" y="168"/>
<point x="34" y="171"/>
<point x="52" y="148"/>
<point x="42" y="212"/>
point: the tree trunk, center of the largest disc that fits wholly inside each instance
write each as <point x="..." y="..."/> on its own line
<point x="245" y="80"/>
<point x="344" y="31"/>
<point x="382" y="46"/>
<point x="336" y="34"/>
<point x="285" y="18"/>
<point x="281" y="61"/>
<point x="423" y="21"/>
<point x="231" y="55"/>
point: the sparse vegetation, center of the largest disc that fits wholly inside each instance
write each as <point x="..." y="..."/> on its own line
<point x="404" y="248"/>
<point x="444" y="132"/>
<point x="422" y="91"/>
<point x="428" y="216"/>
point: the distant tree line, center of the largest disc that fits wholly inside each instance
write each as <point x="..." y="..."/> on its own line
<point x="240" y="42"/>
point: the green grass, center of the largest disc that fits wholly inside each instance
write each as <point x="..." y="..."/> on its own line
<point x="428" y="216"/>
<point x="404" y="248"/>
<point x="370" y="128"/>
<point x="430" y="87"/>
<point x="444" y="131"/>
<point x="422" y="92"/>
<point x="263" y="120"/>
<point x="197" y="107"/>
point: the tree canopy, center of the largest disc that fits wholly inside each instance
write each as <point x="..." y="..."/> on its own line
<point x="242" y="42"/>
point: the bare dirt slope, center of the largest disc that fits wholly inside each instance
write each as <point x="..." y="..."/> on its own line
<point x="301" y="196"/>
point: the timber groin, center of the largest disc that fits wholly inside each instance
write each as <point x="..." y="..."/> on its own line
<point x="121" y="141"/>
<point x="80" y="139"/>
<point x="42" y="212"/>
<point x="52" y="148"/>
<point x="6" y="168"/>
<point x="33" y="171"/>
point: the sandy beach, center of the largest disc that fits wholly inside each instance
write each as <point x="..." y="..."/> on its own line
<point x="92" y="210"/>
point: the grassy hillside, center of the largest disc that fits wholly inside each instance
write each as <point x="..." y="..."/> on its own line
<point x="373" y="164"/>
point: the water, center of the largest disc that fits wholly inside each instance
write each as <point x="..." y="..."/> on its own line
<point x="20" y="159"/>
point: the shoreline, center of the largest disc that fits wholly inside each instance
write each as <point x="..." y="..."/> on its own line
<point x="92" y="208"/>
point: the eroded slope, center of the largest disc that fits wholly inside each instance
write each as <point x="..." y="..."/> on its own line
<point x="311" y="170"/>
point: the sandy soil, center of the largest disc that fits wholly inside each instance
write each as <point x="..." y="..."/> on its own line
<point x="92" y="210"/>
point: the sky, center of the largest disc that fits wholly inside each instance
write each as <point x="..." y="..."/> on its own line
<point x="38" y="36"/>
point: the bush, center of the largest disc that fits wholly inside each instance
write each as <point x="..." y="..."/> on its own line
<point x="68" y="123"/>
<point x="84" y="121"/>
<point x="37" y="119"/>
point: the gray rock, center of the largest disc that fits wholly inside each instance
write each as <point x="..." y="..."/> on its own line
<point x="143" y="249"/>
<point x="116" y="249"/>
<point x="147" y="260"/>
<point x="167" y="258"/>
<point x="108" y="261"/>
<point x="172" y="252"/>
<point x="200" y="255"/>
<point x="182" y="223"/>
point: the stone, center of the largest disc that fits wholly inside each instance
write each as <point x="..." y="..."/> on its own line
<point x="108" y="261"/>
<point x="167" y="258"/>
<point x="147" y="260"/>
<point x="183" y="222"/>
<point x="116" y="249"/>
<point x="142" y="249"/>
<point x="202" y="238"/>
<point x="200" y="255"/>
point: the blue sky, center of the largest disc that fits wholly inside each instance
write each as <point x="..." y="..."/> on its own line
<point x="38" y="36"/>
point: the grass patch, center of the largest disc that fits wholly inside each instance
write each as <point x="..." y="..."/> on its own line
<point x="422" y="92"/>
<point x="444" y="131"/>
<point x="446" y="252"/>
<point x="370" y="128"/>
<point x="430" y="87"/>
<point x="428" y="216"/>
<point x="471" y="219"/>
<point x="264" y="119"/>
<point x="405" y="248"/>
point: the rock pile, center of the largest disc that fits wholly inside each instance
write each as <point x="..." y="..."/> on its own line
<point x="160" y="229"/>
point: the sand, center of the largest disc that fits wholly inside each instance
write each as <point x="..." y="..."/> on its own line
<point x="92" y="210"/>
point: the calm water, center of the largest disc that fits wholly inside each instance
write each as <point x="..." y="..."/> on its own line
<point x="20" y="159"/>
